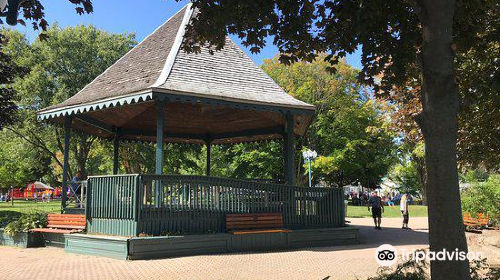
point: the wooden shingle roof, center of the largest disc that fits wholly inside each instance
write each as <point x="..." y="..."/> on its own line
<point x="159" y="63"/>
<point x="212" y="94"/>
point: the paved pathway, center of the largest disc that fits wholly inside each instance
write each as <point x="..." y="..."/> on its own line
<point x="344" y="262"/>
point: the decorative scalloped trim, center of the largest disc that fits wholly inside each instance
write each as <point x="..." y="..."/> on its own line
<point x="97" y="106"/>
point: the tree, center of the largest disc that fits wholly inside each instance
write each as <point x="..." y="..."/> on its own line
<point x="402" y="106"/>
<point x="60" y="65"/>
<point x="394" y="35"/>
<point x="477" y="79"/>
<point x="8" y="72"/>
<point x="21" y="163"/>
<point x="248" y="161"/>
<point x="479" y="88"/>
<point x="483" y="198"/>
<point x="406" y="175"/>
<point x="348" y="132"/>
<point x="32" y="10"/>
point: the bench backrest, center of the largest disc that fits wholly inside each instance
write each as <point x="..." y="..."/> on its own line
<point x="480" y="219"/>
<point x="66" y="221"/>
<point x="254" y="221"/>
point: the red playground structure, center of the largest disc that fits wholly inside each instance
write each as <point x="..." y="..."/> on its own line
<point x="35" y="190"/>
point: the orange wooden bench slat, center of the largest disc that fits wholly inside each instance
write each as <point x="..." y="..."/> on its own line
<point x="477" y="221"/>
<point x="480" y="221"/>
<point x="253" y="214"/>
<point x="65" y="226"/>
<point x="256" y="227"/>
<point x="255" y="223"/>
<point x="252" y="218"/>
<point x="67" y="222"/>
<point x="63" y="223"/>
<point x="267" y="218"/>
<point x="67" y="215"/>
<point x="260" y="231"/>
<point x="66" y="218"/>
<point x="54" y="230"/>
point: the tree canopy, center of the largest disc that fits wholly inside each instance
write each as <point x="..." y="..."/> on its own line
<point x="33" y="10"/>
<point x="8" y="72"/>
<point x="396" y="37"/>
<point x="57" y="68"/>
<point x="349" y="132"/>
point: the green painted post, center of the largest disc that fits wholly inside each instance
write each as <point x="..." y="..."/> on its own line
<point x="67" y="135"/>
<point x="288" y="149"/>
<point x="209" y="151"/>
<point x="288" y="155"/>
<point x="160" y="122"/>
<point x="116" y="146"/>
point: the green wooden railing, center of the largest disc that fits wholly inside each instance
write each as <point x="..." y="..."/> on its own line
<point x="112" y="204"/>
<point x="162" y="204"/>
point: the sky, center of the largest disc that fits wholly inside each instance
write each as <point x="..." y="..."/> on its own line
<point x="119" y="16"/>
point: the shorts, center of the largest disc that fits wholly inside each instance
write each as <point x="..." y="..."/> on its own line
<point x="377" y="212"/>
<point x="406" y="216"/>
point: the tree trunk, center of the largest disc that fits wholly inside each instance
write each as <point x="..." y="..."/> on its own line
<point x="438" y="122"/>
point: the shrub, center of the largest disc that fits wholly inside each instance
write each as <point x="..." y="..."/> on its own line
<point x="413" y="270"/>
<point x="26" y="222"/>
<point x="409" y="270"/>
<point x="6" y="219"/>
<point x="483" y="197"/>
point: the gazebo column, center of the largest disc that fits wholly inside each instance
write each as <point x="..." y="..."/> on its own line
<point x="160" y="122"/>
<point x="67" y="135"/>
<point x="116" y="147"/>
<point x="209" y="152"/>
<point x="288" y="150"/>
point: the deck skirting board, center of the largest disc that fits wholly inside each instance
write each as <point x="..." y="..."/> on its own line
<point x="97" y="245"/>
<point x="137" y="248"/>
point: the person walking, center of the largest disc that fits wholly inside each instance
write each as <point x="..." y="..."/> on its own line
<point x="377" y="208"/>
<point x="404" y="210"/>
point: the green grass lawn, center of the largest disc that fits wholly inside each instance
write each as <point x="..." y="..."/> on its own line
<point x="23" y="206"/>
<point x="390" y="211"/>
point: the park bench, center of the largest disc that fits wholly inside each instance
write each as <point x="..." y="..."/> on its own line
<point x="477" y="223"/>
<point x="255" y="223"/>
<point x="63" y="223"/>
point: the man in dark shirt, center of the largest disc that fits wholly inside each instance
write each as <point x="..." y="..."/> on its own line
<point x="377" y="208"/>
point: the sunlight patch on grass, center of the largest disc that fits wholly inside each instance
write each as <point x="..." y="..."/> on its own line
<point x="390" y="211"/>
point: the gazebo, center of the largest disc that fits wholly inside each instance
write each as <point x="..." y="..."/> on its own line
<point x="159" y="93"/>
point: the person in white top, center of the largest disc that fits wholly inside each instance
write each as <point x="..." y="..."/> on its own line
<point x="404" y="210"/>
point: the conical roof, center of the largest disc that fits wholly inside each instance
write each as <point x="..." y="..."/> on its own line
<point x="159" y="63"/>
<point x="159" y="66"/>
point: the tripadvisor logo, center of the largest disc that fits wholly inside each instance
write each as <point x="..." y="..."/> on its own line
<point x="387" y="255"/>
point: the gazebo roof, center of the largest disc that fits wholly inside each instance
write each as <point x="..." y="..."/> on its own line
<point x="222" y="94"/>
